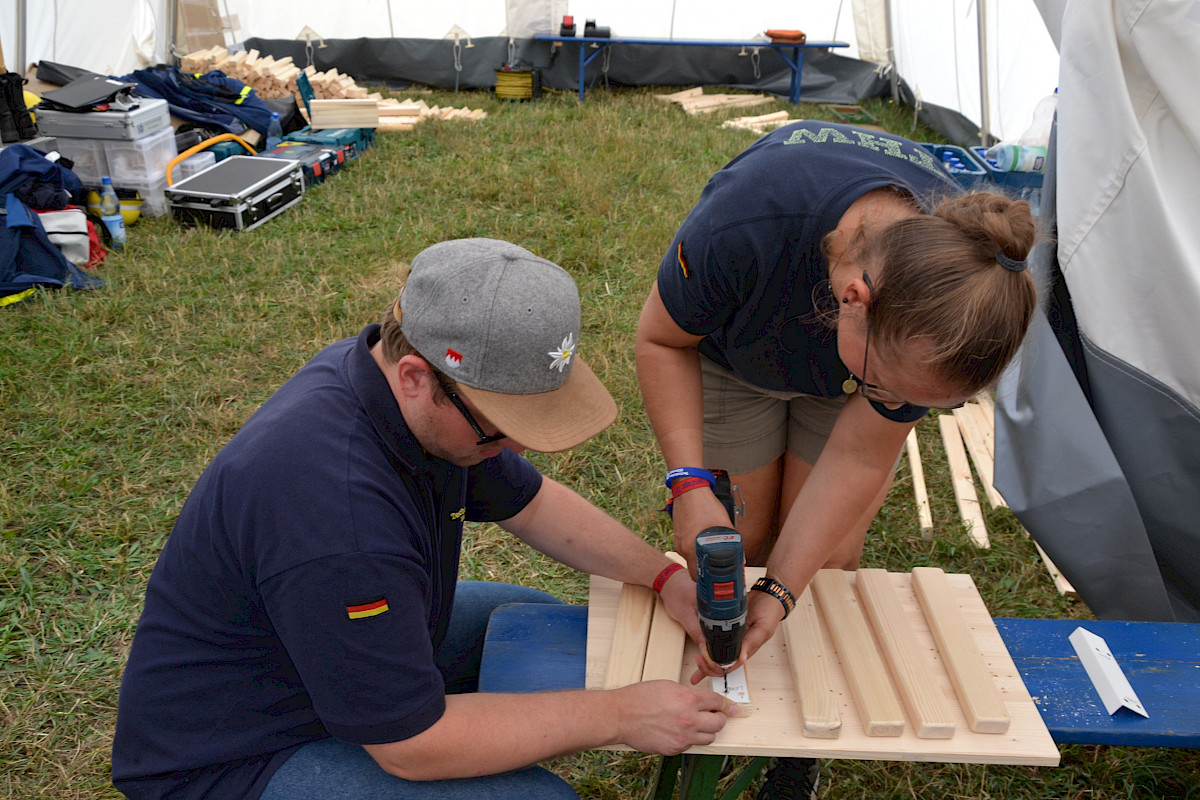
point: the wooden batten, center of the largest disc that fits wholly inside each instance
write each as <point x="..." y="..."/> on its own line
<point x="911" y="667"/>
<point x="920" y="493"/>
<point x="811" y="663"/>
<point x="635" y="612"/>
<point x="964" y="485"/>
<point x="344" y="114"/>
<point x="879" y="708"/>
<point x="978" y="696"/>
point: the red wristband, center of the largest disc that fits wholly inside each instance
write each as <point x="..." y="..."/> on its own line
<point x="667" y="572"/>
<point x="687" y="484"/>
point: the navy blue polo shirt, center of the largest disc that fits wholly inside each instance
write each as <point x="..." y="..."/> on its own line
<point x="746" y="265"/>
<point x="305" y="588"/>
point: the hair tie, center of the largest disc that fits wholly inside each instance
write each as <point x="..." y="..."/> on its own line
<point x="1011" y="264"/>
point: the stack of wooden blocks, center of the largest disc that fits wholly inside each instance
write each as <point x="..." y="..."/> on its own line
<point x="695" y="101"/>
<point x="272" y="78"/>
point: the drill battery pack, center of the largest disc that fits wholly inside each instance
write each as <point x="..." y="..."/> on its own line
<point x="727" y="493"/>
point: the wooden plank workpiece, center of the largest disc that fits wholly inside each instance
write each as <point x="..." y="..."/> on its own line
<point x="981" y="701"/>
<point x="810" y="660"/>
<point x="776" y="728"/>
<point x="635" y="612"/>
<point x="910" y="666"/>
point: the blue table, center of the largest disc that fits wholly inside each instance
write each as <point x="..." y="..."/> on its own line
<point x="791" y="52"/>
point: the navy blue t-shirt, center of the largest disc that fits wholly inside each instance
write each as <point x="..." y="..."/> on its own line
<point x="305" y="588"/>
<point x="746" y="264"/>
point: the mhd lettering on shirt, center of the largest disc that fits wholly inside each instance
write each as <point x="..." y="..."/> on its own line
<point x="919" y="155"/>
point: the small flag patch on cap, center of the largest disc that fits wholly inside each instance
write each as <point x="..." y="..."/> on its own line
<point x="683" y="263"/>
<point x="372" y="606"/>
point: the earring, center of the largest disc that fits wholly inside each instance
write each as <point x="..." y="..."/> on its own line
<point x="845" y="299"/>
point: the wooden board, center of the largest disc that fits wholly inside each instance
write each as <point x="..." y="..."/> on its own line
<point x="776" y="727"/>
<point x="920" y="493"/>
<point x="978" y="696"/>
<point x="874" y="695"/>
<point x="631" y="632"/>
<point x="811" y="661"/>
<point x="964" y="484"/>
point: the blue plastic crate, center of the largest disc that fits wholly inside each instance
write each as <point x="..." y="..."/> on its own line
<point x="961" y="165"/>
<point x="1023" y="185"/>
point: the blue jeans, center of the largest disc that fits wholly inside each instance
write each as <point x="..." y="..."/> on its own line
<point x="330" y="769"/>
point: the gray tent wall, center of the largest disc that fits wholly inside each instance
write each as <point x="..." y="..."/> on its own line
<point x="1098" y="440"/>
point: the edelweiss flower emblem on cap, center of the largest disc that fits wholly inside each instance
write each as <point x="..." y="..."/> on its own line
<point x="562" y="356"/>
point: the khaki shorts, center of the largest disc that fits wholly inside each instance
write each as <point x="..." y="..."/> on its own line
<point x="746" y="427"/>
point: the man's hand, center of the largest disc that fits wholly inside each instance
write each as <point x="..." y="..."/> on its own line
<point x="666" y="718"/>
<point x="691" y="513"/>
<point x="679" y="596"/>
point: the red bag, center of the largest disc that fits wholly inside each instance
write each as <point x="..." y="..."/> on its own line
<point x="787" y="36"/>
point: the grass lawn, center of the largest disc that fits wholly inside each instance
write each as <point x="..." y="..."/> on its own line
<point x="115" y="400"/>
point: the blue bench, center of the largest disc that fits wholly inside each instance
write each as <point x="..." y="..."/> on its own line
<point x="535" y="647"/>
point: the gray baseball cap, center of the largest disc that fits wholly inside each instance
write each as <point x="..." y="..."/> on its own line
<point x="504" y="324"/>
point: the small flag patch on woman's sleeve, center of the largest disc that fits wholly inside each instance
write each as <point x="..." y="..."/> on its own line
<point x="370" y="607"/>
<point x="683" y="263"/>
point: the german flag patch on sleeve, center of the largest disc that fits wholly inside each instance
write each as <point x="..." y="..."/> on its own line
<point x="370" y="607"/>
<point x="683" y="263"/>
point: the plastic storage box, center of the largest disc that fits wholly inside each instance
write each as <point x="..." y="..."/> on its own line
<point x="151" y="116"/>
<point x="192" y="165"/>
<point x="91" y="160"/>
<point x="962" y="165"/>
<point x="152" y="192"/>
<point x="141" y="160"/>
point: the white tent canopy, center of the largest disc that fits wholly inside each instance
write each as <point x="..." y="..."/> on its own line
<point x="936" y="42"/>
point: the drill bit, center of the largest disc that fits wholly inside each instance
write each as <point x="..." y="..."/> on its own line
<point x="725" y="673"/>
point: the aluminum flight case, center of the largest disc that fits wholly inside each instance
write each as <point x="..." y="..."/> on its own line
<point x="151" y="116"/>
<point x="238" y="192"/>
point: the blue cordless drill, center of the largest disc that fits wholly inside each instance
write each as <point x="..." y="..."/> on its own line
<point x="721" y="592"/>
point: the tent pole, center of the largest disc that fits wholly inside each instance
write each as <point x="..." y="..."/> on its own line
<point x="18" y="65"/>
<point x="894" y="75"/>
<point x="985" y="105"/>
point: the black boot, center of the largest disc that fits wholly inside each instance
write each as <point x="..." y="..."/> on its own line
<point x="791" y="779"/>
<point x="15" y="122"/>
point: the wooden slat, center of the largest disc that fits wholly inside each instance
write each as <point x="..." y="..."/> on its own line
<point x="344" y="114"/>
<point x="977" y="694"/>
<point x="810" y="664"/>
<point x="911" y="667"/>
<point x="1061" y="583"/>
<point x="970" y="425"/>
<point x="667" y="639"/>
<point x="878" y="706"/>
<point x="964" y="485"/>
<point x="920" y="494"/>
<point x="635" y="611"/>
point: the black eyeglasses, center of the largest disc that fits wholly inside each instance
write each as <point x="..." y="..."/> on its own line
<point x="483" y="437"/>
<point x="869" y="390"/>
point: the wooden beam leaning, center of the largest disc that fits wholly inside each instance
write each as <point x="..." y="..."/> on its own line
<point x="878" y="707"/>
<point x="810" y="665"/>
<point x="970" y="423"/>
<point x="635" y="611"/>
<point x="963" y="483"/>
<point x="665" y="642"/>
<point x="911" y="668"/>
<point x="977" y="693"/>
<point x="920" y="494"/>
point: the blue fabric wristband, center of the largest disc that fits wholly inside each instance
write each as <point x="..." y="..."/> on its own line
<point x="691" y="472"/>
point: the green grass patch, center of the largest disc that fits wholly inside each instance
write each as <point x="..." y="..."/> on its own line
<point x="114" y="401"/>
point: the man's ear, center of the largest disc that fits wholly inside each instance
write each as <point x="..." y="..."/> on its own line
<point x="413" y="375"/>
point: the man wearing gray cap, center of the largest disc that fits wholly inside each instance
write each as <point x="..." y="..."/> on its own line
<point x="304" y="633"/>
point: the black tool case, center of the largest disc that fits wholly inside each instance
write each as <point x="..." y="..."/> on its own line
<point x="239" y="192"/>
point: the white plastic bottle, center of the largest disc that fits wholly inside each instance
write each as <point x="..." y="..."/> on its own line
<point x="110" y="213"/>
<point x="1038" y="132"/>
<point x="1017" y="157"/>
